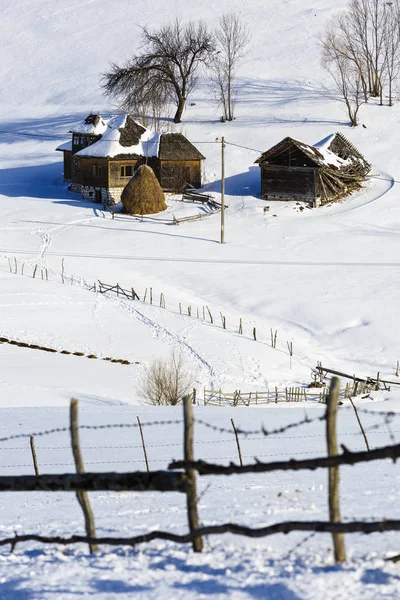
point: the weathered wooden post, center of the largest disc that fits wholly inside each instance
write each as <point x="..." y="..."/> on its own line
<point x="34" y="457"/>
<point x="143" y="444"/>
<point x="334" y="476"/>
<point x="360" y="424"/>
<point x="237" y="442"/>
<point x="191" y="494"/>
<point x="82" y="497"/>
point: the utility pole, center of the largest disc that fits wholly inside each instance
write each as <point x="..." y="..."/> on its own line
<point x="222" y="190"/>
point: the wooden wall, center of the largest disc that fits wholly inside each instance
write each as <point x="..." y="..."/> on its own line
<point x="67" y="165"/>
<point x="115" y="179"/>
<point x="288" y="181"/>
<point x="174" y="173"/>
<point x="171" y="174"/>
<point x="85" y="176"/>
<point x="292" y="157"/>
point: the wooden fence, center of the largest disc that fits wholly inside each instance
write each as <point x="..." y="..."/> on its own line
<point x="181" y="477"/>
<point x="104" y="288"/>
<point x="275" y="395"/>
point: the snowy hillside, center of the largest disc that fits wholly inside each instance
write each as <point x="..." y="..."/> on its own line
<point x="326" y="280"/>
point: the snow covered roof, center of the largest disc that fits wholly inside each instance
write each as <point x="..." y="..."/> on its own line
<point x="93" y="125"/>
<point x="124" y="138"/>
<point x="334" y="151"/>
<point x="65" y="147"/>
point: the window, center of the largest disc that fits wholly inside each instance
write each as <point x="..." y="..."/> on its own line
<point x="97" y="171"/>
<point x="77" y="166"/>
<point x="126" y="170"/>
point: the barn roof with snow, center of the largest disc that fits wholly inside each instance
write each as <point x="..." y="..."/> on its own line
<point x="326" y="171"/>
<point x="123" y="138"/>
<point x="94" y="124"/>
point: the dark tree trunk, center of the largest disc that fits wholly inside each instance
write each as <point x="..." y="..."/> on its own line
<point x="179" y="110"/>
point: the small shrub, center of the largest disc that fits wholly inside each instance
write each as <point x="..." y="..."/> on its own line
<point x="166" y="382"/>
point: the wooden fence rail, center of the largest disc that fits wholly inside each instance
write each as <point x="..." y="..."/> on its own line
<point x="275" y="395"/>
<point x="346" y="458"/>
<point x="286" y="527"/>
<point x="104" y="288"/>
<point x="158" y="481"/>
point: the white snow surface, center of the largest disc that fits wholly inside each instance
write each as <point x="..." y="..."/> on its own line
<point x="326" y="280"/>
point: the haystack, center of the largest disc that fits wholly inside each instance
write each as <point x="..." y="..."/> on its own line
<point x="143" y="194"/>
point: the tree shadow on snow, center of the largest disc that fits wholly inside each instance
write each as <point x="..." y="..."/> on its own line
<point x="11" y="590"/>
<point x="274" y="591"/>
<point x="243" y="184"/>
<point x="117" y="587"/>
<point x="50" y="128"/>
<point x="34" y="181"/>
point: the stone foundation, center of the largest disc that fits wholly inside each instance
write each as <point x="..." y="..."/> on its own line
<point x="111" y="195"/>
<point x="107" y="196"/>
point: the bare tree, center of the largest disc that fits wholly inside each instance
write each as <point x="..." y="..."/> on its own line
<point x="345" y="71"/>
<point x="232" y="39"/>
<point x="366" y="40"/>
<point x="391" y="44"/>
<point x="148" y="108"/>
<point x="167" y="66"/>
<point x="166" y="382"/>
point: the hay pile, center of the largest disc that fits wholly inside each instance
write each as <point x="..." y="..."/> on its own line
<point x="143" y="194"/>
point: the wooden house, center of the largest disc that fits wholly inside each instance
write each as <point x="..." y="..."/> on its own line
<point x="293" y="170"/>
<point x="84" y="134"/>
<point x="101" y="164"/>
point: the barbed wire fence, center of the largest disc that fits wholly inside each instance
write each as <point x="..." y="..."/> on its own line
<point x="181" y="477"/>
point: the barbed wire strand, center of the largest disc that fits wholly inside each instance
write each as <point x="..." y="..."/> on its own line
<point x="90" y="427"/>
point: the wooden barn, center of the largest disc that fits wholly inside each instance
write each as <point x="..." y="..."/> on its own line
<point x="327" y="171"/>
<point x="99" y="165"/>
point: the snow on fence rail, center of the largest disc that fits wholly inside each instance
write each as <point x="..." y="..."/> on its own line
<point x="181" y="477"/>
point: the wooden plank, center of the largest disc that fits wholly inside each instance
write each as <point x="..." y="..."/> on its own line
<point x="352" y="377"/>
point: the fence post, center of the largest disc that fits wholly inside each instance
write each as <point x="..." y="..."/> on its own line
<point x="82" y="497"/>
<point x="237" y="442"/>
<point x="331" y="439"/>
<point x="360" y="424"/>
<point x="34" y="457"/>
<point x="191" y="494"/>
<point x="143" y="444"/>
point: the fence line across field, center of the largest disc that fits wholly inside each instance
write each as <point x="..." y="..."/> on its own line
<point x="202" y="313"/>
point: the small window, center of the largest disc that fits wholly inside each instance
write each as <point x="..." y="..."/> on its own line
<point x="97" y="171"/>
<point x="77" y="166"/>
<point x="126" y="171"/>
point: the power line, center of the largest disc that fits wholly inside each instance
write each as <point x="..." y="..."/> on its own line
<point x="290" y="263"/>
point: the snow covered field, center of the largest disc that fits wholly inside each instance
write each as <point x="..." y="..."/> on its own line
<point x="326" y="279"/>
